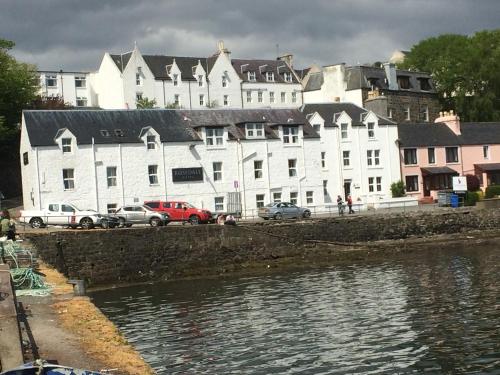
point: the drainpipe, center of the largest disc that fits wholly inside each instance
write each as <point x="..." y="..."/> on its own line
<point x="95" y="176"/>
<point x="164" y="97"/>
<point x="461" y="160"/>
<point x="189" y="87"/>
<point x="242" y="188"/>
<point x="164" y="167"/>
<point x="121" y="173"/>
<point x="241" y="93"/>
<point x="38" y="181"/>
<point x="268" y="173"/>
<point x="62" y="84"/>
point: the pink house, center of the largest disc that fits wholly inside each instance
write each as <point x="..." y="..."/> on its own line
<point x="432" y="153"/>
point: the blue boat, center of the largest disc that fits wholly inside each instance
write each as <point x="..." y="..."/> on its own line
<point x="45" y="368"/>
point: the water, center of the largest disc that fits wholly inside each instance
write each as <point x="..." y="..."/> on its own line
<point x="435" y="312"/>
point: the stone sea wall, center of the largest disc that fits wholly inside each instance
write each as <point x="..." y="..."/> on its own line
<point x="104" y="257"/>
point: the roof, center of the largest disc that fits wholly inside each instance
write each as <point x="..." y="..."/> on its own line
<point x="171" y="125"/>
<point x="314" y="82"/>
<point x="330" y="111"/>
<point x="487" y="167"/>
<point x="438" y="170"/>
<point x="364" y="77"/>
<point x="121" y="60"/>
<point x="301" y="73"/>
<point x="480" y="133"/>
<point x="426" y="134"/>
<point x="260" y="67"/>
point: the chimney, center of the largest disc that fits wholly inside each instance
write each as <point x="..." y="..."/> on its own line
<point x="222" y="49"/>
<point x="287" y="58"/>
<point x="392" y="78"/>
<point x="450" y="119"/>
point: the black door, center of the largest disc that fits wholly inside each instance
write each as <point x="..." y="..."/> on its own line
<point x="347" y="189"/>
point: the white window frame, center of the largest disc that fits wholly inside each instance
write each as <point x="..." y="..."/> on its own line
<point x="153" y="174"/>
<point x="138" y="78"/>
<point x="269" y="76"/>
<point x="254" y="130"/>
<point x="249" y="96"/>
<point x="346" y="158"/>
<point x="323" y="159"/>
<point x="202" y="99"/>
<point x="111" y="173"/>
<point x="277" y="197"/>
<point x="81" y="101"/>
<point x="433" y="155"/>
<point x="412" y="149"/>
<point x="371" y="130"/>
<point x="251" y="76"/>
<point x="260" y="97"/>
<point x="224" y="81"/>
<point x="373" y="157"/>
<point x="218" y="204"/>
<point x="258" y="169"/>
<point x="68" y="178"/>
<point x="259" y="200"/>
<point x="292" y="167"/>
<point x="325" y="188"/>
<point x="344" y="133"/>
<point x="138" y="96"/>
<point x="177" y="100"/>
<point x="51" y="79"/>
<point x="283" y="97"/>
<point x="80" y="82"/>
<point x="486" y="152"/>
<point x="175" y="79"/>
<point x="217" y="170"/>
<point x="371" y="184"/>
<point x="215" y="137"/>
<point x="287" y="76"/>
<point x="66" y="145"/>
<point x="225" y="100"/>
<point x="271" y="96"/>
<point x="294" y="196"/>
<point x="290" y="134"/>
<point x="378" y="182"/>
<point x="200" y="80"/>
<point x="151" y="142"/>
<point x="111" y="208"/>
<point x="294" y="96"/>
<point x="310" y="197"/>
<point x="407" y="113"/>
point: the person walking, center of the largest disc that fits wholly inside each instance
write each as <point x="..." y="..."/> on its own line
<point x="340" y="205"/>
<point x="349" y="204"/>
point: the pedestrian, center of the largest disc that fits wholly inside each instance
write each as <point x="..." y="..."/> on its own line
<point x="220" y="219"/>
<point x="230" y="220"/>
<point x="349" y="204"/>
<point x="11" y="232"/>
<point x="340" y="205"/>
<point x="4" y="223"/>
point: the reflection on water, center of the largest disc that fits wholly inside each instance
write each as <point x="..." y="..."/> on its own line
<point x="435" y="312"/>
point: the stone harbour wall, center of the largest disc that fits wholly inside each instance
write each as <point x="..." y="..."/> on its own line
<point x="104" y="257"/>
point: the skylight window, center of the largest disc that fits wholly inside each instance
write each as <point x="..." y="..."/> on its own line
<point x="104" y="133"/>
<point x="119" y="132"/>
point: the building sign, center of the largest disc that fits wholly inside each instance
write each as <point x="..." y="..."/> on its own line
<point x="187" y="174"/>
<point x="459" y="183"/>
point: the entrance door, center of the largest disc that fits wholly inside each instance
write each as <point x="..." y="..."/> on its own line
<point x="347" y="188"/>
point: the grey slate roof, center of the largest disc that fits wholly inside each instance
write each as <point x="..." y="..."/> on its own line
<point x="278" y="67"/>
<point x="480" y="133"/>
<point x="358" y="77"/>
<point x="438" y="170"/>
<point x="314" y="82"/>
<point x="172" y="125"/>
<point x="121" y="61"/>
<point x="488" y="167"/>
<point x="330" y="112"/>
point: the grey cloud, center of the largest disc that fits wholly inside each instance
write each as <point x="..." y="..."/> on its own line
<point x="74" y="35"/>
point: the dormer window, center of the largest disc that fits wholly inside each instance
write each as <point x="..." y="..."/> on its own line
<point x="404" y="82"/>
<point x="104" y="133"/>
<point x="371" y="130"/>
<point x="373" y="82"/>
<point x="119" y="132"/>
<point x="424" y="84"/>
<point x="175" y="79"/>
<point x="290" y="134"/>
<point x="251" y="76"/>
<point x="66" y="145"/>
<point x="151" y="142"/>
<point x="215" y="136"/>
<point x="269" y="76"/>
<point x="254" y="130"/>
<point x="287" y="76"/>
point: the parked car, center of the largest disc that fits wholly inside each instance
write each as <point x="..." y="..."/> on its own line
<point x="283" y="210"/>
<point x="181" y="211"/>
<point x="139" y="214"/>
<point x="109" y="221"/>
<point x="61" y="213"/>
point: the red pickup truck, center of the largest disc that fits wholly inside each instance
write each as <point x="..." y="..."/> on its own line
<point x="181" y="211"/>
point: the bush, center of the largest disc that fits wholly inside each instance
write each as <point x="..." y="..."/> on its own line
<point x="472" y="182"/>
<point x="398" y="189"/>
<point x="471" y="198"/>
<point x="491" y="191"/>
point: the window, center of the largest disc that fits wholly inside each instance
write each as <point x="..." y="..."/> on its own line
<point x="294" y="97"/>
<point x="104" y="133"/>
<point x="224" y="81"/>
<point x="69" y="179"/>
<point x="111" y="208"/>
<point x="153" y="174"/>
<point x="309" y="197"/>
<point x="410" y="156"/>
<point x="51" y="81"/>
<point x="451" y="154"/>
<point x="371" y="130"/>
<point x="293" y="197"/>
<point x="217" y="166"/>
<point x="254" y="130"/>
<point x="215" y="136"/>
<point x="424" y="113"/>
<point x="323" y="159"/>
<point x="251" y="76"/>
<point x="431" y="155"/>
<point x="151" y="142"/>
<point x="259" y="200"/>
<point x="202" y="99"/>
<point x="325" y="188"/>
<point x="276" y="197"/>
<point x="200" y="80"/>
<point x="80" y="81"/>
<point x="119" y="132"/>
<point x="283" y="97"/>
<point x="111" y="176"/>
<point x="259" y="96"/>
<point x="269" y="76"/>
<point x="424" y="84"/>
<point x="292" y="167"/>
<point x="379" y="183"/>
<point x="288" y="77"/>
<point x="345" y="157"/>
<point x="54" y="207"/>
<point x="290" y="134"/>
<point x="249" y="96"/>
<point x="486" y="152"/>
<point x="404" y="82"/>
<point x="407" y="113"/>
<point x="226" y="100"/>
<point x="389" y="112"/>
<point x="67" y="208"/>
<point x="177" y="100"/>
<point x="317" y="128"/>
<point x="66" y="145"/>
<point x="257" y="168"/>
<point x="271" y="96"/>
<point x="371" y="187"/>
<point x="81" y="101"/>
<point x="373" y="157"/>
<point x="138" y="96"/>
<point x="219" y="203"/>
<point x="25" y="158"/>
<point x="138" y="78"/>
<point x="343" y="130"/>
<point x="411" y="183"/>
<point x="175" y="79"/>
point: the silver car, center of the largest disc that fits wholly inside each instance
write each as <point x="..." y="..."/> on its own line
<point x="139" y="214"/>
<point x="283" y="210"/>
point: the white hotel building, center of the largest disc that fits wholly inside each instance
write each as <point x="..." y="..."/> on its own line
<point x="222" y="160"/>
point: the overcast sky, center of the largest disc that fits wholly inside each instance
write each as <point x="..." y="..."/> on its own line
<point x="73" y="35"/>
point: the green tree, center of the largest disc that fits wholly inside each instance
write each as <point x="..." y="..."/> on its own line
<point x="145" y="103"/>
<point x="465" y="70"/>
<point x="398" y="189"/>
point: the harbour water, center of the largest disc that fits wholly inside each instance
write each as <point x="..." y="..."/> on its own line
<point x="434" y="312"/>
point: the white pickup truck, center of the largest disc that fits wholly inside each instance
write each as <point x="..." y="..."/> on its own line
<point x="60" y="213"/>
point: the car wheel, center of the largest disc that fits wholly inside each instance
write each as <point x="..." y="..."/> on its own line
<point x="36" y="222"/>
<point x="121" y="222"/>
<point x="128" y="225"/>
<point x="194" y="220"/>
<point x="87" y="223"/>
<point x="155" y="222"/>
<point x="265" y="218"/>
<point x="112" y="225"/>
<point x="278" y="216"/>
<point x="306" y="214"/>
<point x="105" y="224"/>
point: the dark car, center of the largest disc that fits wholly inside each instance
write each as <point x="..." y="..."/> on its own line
<point x="109" y="221"/>
<point x="283" y="210"/>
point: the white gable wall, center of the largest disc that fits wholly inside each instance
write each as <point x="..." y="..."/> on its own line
<point x="107" y="83"/>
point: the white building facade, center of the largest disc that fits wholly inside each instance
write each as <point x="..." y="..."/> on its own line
<point x="74" y="87"/>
